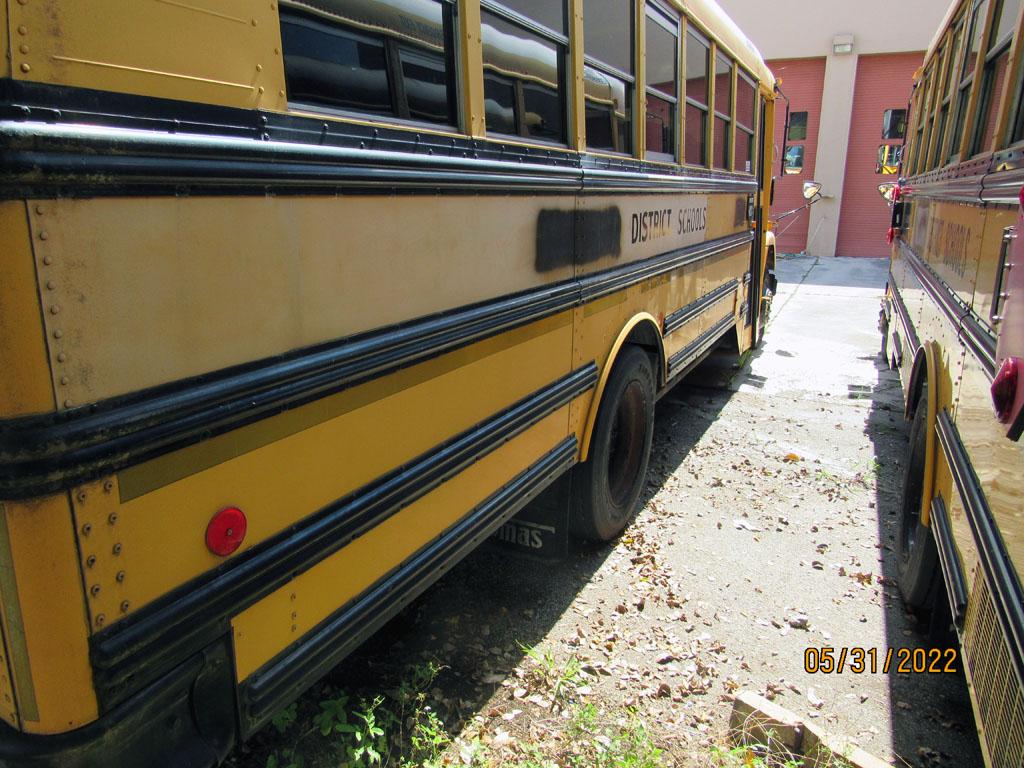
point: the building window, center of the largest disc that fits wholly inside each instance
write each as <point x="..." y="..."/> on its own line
<point x="746" y="122"/>
<point x="894" y="124"/>
<point x="698" y="51"/>
<point x="662" y="73"/>
<point x="797" y="126"/>
<point x="608" y="79"/>
<point x="793" y="162"/>
<point x="389" y="58"/>
<point x="524" y="70"/>
<point x="722" y="157"/>
<point x="889" y="158"/>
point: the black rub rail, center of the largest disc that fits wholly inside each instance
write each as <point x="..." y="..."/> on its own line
<point x="52" y="452"/>
<point x="136" y="650"/>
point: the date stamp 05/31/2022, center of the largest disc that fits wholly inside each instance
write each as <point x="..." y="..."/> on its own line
<point x="859" y="661"/>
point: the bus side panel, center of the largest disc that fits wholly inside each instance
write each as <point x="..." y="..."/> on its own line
<point x="5" y="46"/>
<point x="997" y="218"/>
<point x="25" y="386"/>
<point x="154" y="290"/>
<point x="954" y="245"/>
<point x="44" y="616"/>
<point x="284" y="468"/>
<point x="271" y="625"/>
<point x="231" y="57"/>
<point x="997" y="463"/>
<point x="656" y="224"/>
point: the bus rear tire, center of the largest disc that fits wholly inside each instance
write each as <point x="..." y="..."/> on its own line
<point x="917" y="556"/>
<point x="606" y="488"/>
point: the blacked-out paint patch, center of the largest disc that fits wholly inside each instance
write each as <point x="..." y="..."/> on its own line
<point x="584" y="235"/>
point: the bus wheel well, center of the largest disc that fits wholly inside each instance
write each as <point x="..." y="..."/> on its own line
<point x="918" y="380"/>
<point x="643" y="332"/>
<point x="645" y="335"/>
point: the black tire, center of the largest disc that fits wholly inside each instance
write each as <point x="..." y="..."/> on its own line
<point x="917" y="563"/>
<point x="607" y="486"/>
<point x="765" y="315"/>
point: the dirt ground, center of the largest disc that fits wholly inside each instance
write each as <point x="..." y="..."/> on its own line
<point x="767" y="528"/>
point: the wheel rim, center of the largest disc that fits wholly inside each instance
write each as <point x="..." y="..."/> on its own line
<point x="626" y="446"/>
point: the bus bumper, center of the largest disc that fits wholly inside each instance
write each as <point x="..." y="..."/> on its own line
<point x="186" y="718"/>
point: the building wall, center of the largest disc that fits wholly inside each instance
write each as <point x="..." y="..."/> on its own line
<point x="802" y="83"/>
<point x="787" y="30"/>
<point x="883" y="82"/>
<point x="797" y="29"/>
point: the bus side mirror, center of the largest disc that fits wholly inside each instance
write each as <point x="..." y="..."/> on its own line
<point x="887" y="190"/>
<point x="811" y="190"/>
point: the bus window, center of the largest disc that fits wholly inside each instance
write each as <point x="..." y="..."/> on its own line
<point x="954" y="55"/>
<point x="697" y="53"/>
<point x="967" y="77"/>
<point x="524" y="76"/>
<point x="723" y="113"/>
<point x="996" y="60"/>
<point x="662" y="83"/>
<point x="608" y="75"/>
<point x="386" y="58"/>
<point x="746" y="120"/>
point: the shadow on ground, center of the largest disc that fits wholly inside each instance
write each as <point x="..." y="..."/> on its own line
<point x="478" y="621"/>
<point x="929" y="712"/>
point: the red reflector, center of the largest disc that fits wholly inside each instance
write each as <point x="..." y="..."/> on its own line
<point x="897" y="193"/>
<point x="890" y="235"/>
<point x="1004" y="389"/>
<point x="226" y="530"/>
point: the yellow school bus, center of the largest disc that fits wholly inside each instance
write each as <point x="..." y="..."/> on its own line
<point x="953" y="319"/>
<point x="302" y="300"/>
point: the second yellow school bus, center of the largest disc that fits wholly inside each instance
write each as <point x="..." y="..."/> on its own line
<point x="953" y="320"/>
<point x="302" y="300"/>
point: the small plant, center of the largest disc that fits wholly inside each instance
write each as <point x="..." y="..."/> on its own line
<point x="333" y="715"/>
<point x="287" y="758"/>
<point x="285" y="719"/>
<point x="369" y="744"/>
<point x="559" y="681"/>
<point x="753" y="756"/>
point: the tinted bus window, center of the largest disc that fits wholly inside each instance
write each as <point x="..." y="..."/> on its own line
<point x="697" y="53"/>
<point x="662" y="43"/>
<point x="997" y="59"/>
<point x="385" y="58"/>
<point x="608" y="74"/>
<point x="523" y="81"/>
<point x="746" y="123"/>
<point x="723" y="111"/>
<point x="608" y="33"/>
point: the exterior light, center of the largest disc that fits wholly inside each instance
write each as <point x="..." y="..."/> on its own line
<point x="842" y="45"/>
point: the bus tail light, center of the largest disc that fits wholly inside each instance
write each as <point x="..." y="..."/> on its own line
<point x="890" y="235"/>
<point x="226" y="531"/>
<point x="1004" y="389"/>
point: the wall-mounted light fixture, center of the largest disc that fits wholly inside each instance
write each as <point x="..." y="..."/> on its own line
<point x="842" y="45"/>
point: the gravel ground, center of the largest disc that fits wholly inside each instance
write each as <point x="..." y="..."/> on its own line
<point x="768" y="527"/>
